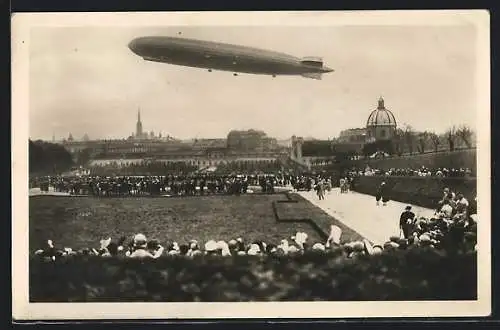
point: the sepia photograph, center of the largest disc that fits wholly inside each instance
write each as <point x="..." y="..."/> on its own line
<point x="259" y="164"/>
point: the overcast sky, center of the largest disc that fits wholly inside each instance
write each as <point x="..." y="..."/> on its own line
<point x="86" y="80"/>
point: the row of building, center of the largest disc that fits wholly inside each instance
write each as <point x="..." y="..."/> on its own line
<point x="238" y="145"/>
<point x="245" y="145"/>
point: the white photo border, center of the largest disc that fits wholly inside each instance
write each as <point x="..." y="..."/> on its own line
<point x="24" y="310"/>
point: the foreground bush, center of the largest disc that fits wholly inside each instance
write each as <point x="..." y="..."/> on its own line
<point x="414" y="274"/>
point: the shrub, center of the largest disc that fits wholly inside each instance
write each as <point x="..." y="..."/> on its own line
<point x="414" y="274"/>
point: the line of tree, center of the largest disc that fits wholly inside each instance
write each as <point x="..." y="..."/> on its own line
<point x="48" y="158"/>
<point x="407" y="140"/>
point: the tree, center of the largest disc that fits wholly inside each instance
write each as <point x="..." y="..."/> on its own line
<point x="48" y="157"/>
<point x="83" y="156"/>
<point x="435" y="140"/>
<point x="422" y="141"/>
<point x="450" y="136"/>
<point x="397" y="141"/>
<point x="409" y="138"/>
<point x="465" y="133"/>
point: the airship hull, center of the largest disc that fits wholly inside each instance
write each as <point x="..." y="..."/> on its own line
<point x="225" y="57"/>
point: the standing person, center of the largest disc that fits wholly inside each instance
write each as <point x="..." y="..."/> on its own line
<point x="329" y="185"/>
<point x="319" y="190"/>
<point x="407" y="222"/>
<point x="346" y="183"/>
<point x="342" y="185"/>
<point x="382" y="194"/>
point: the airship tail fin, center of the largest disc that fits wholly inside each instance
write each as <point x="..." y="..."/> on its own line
<point x="312" y="75"/>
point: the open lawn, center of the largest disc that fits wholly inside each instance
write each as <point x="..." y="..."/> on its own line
<point x="79" y="222"/>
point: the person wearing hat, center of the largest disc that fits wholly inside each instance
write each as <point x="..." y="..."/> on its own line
<point x="141" y="248"/>
<point x="300" y="238"/>
<point x="318" y="247"/>
<point x="211" y="247"/>
<point x="342" y="185"/>
<point x="407" y="222"/>
<point x="320" y="190"/>
<point x="233" y="246"/>
<point x="446" y="210"/>
<point x="358" y="248"/>
<point x="254" y="250"/>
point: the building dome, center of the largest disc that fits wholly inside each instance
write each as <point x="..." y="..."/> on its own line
<point x="381" y="116"/>
<point x="381" y="124"/>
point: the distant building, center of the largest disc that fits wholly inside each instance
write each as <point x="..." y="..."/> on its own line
<point x="250" y="140"/>
<point x="353" y="135"/>
<point x="247" y="146"/>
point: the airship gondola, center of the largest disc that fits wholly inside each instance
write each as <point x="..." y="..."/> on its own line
<point x="225" y="57"/>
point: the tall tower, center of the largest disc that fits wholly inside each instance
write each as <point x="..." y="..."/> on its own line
<point x="138" y="126"/>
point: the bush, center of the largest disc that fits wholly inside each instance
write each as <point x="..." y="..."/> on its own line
<point x="414" y="274"/>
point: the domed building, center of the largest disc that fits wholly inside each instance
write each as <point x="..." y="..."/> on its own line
<point x="381" y="124"/>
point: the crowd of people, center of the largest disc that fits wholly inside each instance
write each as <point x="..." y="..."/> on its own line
<point x="453" y="227"/>
<point x="180" y="185"/>
<point x="190" y="185"/>
<point x="419" y="172"/>
<point x="454" y="220"/>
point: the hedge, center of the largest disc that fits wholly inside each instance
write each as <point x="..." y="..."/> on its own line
<point x="422" y="191"/>
<point x="414" y="274"/>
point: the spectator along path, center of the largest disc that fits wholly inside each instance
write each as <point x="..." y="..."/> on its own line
<point x="360" y="213"/>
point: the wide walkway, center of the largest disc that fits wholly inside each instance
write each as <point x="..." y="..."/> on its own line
<point x="360" y="213"/>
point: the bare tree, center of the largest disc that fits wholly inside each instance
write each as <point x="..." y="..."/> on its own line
<point x="422" y="141"/>
<point x="435" y="140"/>
<point x="409" y="138"/>
<point x="450" y="136"/>
<point x="398" y="141"/>
<point x="465" y="133"/>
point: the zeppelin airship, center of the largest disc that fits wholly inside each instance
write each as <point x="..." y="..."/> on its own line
<point x="225" y="57"/>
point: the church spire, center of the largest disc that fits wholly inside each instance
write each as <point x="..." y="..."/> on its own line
<point x="138" y="126"/>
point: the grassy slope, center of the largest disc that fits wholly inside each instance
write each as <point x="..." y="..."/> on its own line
<point x="80" y="222"/>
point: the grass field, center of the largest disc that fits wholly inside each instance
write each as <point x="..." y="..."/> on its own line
<point x="79" y="222"/>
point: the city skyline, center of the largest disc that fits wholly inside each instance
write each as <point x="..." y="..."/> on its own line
<point x="86" y="81"/>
